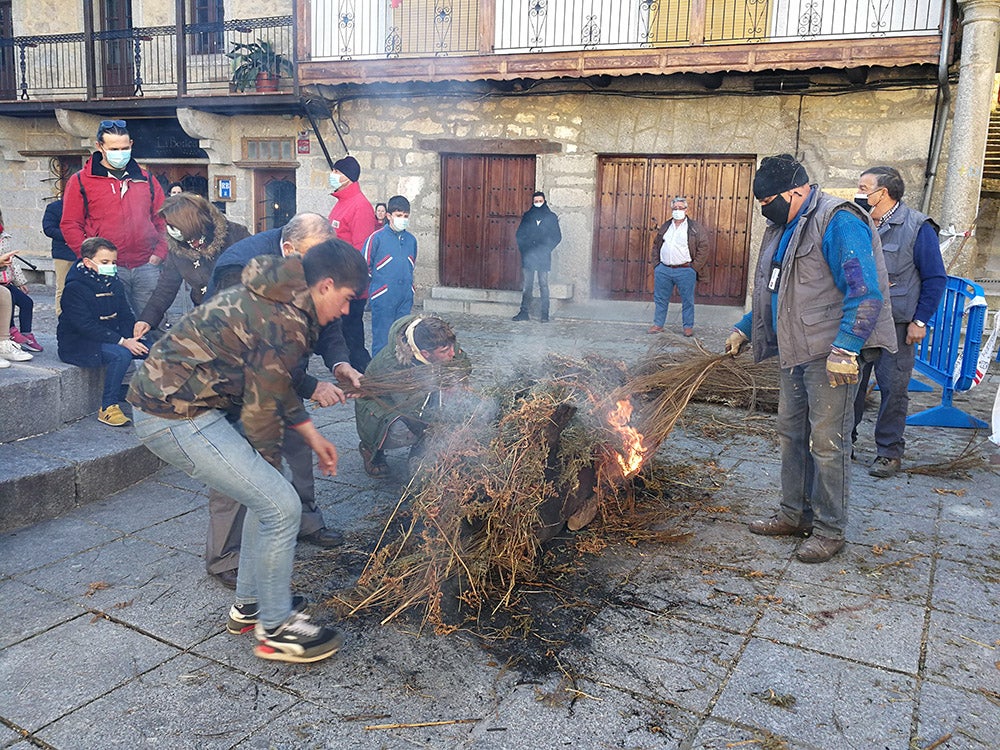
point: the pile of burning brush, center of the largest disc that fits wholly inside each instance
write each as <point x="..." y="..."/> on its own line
<point x="562" y="446"/>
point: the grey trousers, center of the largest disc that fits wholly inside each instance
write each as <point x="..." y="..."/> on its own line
<point x="225" y="515"/>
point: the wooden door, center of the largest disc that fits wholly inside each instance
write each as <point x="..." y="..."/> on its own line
<point x="192" y="177"/>
<point x="634" y="194"/>
<point x="273" y="199"/>
<point x="484" y="199"/>
<point x="8" y="71"/>
<point x="117" y="49"/>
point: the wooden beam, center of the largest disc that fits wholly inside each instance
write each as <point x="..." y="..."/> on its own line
<point x="487" y="26"/>
<point x="714" y="58"/>
<point x="502" y="146"/>
<point x="696" y="23"/>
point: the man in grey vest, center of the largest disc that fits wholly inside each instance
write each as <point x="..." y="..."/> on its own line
<point x="916" y="282"/>
<point x="818" y="301"/>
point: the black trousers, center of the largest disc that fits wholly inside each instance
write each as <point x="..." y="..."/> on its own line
<point x="353" y="325"/>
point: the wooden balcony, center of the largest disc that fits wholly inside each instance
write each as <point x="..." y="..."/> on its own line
<point x="367" y="41"/>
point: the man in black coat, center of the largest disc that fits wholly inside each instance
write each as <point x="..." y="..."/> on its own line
<point x="537" y="236"/>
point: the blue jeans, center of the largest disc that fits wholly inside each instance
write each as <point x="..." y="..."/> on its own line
<point x="664" y="281"/>
<point x="814" y="424"/>
<point x="543" y="291"/>
<point x="25" y="305"/>
<point x="139" y="284"/>
<point x="116" y="361"/>
<point x="210" y="449"/>
<point x="892" y="371"/>
<point x="386" y="310"/>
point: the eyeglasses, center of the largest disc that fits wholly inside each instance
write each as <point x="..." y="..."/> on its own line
<point x="107" y="124"/>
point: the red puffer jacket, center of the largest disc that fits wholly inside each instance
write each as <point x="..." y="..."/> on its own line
<point x="353" y="216"/>
<point x="95" y="204"/>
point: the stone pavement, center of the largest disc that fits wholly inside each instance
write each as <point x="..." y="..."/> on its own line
<point x="113" y="637"/>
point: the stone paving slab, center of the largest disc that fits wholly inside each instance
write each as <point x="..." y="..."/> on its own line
<point x="968" y="718"/>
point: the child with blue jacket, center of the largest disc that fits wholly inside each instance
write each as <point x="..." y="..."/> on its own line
<point x="391" y="255"/>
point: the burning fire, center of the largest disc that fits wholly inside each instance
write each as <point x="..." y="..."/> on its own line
<point x="634" y="453"/>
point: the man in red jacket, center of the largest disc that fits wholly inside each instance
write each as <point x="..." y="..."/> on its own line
<point x="353" y="219"/>
<point x="112" y="197"/>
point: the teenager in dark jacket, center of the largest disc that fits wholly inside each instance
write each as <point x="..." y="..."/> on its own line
<point x="96" y="323"/>
<point x="62" y="257"/>
<point x="537" y="236"/>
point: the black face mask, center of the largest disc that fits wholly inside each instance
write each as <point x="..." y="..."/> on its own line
<point x="777" y="210"/>
<point x="862" y="200"/>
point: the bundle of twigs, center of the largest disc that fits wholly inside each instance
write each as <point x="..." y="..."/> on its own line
<point x="468" y="529"/>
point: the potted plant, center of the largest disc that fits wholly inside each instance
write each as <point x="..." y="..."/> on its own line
<point x="256" y="65"/>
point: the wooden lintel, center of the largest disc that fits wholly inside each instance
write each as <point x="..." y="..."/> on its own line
<point x="501" y="146"/>
<point x="716" y="58"/>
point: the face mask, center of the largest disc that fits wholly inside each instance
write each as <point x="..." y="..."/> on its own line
<point x="175" y="233"/>
<point x="109" y="269"/>
<point x="862" y="200"/>
<point x="776" y="210"/>
<point x="399" y="223"/>
<point x="334" y="181"/>
<point x="678" y="214"/>
<point x="118" y="159"/>
<point x="539" y="204"/>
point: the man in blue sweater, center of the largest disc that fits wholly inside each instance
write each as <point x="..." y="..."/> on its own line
<point x="819" y="305"/>
<point x="916" y="280"/>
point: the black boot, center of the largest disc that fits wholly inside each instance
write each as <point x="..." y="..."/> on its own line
<point x="521" y="315"/>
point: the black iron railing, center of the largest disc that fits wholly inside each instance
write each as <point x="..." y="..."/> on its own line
<point x="133" y="62"/>
<point x="359" y="29"/>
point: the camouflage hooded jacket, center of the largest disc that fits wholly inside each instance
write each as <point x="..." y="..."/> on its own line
<point x="237" y="351"/>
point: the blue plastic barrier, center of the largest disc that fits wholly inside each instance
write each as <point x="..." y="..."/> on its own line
<point x="937" y="354"/>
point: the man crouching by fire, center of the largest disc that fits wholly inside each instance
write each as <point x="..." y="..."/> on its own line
<point x="398" y="418"/>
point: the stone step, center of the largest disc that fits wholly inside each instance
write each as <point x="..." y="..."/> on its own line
<point x="54" y="453"/>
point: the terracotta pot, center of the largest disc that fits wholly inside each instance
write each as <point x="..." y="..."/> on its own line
<point x="266" y="82"/>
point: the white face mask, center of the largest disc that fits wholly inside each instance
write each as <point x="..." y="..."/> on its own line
<point x="399" y="223"/>
<point x="175" y="233"/>
<point x="678" y="214"/>
<point x="539" y="204"/>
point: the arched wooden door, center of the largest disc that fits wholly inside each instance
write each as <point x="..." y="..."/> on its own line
<point x="634" y="194"/>
<point x="274" y="198"/>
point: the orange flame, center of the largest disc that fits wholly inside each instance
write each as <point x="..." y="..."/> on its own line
<point x="632" y="458"/>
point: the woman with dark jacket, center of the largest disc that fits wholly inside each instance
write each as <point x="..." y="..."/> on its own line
<point x="197" y="233"/>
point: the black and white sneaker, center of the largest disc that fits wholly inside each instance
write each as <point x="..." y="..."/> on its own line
<point x="243" y="617"/>
<point x="297" y="640"/>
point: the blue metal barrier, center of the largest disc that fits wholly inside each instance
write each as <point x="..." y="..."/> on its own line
<point x="937" y="354"/>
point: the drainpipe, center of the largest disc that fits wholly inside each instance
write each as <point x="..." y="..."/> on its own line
<point x="942" y="106"/>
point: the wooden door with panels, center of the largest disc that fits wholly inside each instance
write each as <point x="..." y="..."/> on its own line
<point x="484" y="199"/>
<point x="634" y="194"/>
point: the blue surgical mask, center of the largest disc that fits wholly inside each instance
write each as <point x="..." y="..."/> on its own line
<point x="678" y="214"/>
<point x="334" y="181"/>
<point x="118" y="159"/>
<point x="399" y="223"/>
<point x="108" y="269"/>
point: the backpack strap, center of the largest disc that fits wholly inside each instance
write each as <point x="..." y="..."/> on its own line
<point x="83" y="194"/>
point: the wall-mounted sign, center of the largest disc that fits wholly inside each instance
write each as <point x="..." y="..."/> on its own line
<point x="225" y="188"/>
<point x="302" y="145"/>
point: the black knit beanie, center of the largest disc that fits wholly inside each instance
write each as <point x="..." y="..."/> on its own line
<point x="349" y="167"/>
<point x="776" y="174"/>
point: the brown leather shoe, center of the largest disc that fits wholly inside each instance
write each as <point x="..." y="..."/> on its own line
<point x="776" y="526"/>
<point x="689" y="332"/>
<point x="655" y="329"/>
<point x="817" y="549"/>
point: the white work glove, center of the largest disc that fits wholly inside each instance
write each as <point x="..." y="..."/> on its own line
<point x="735" y="342"/>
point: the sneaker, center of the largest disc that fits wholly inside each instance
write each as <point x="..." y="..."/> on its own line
<point x="113" y="416"/>
<point x="883" y="468"/>
<point x="12" y="352"/>
<point x="17" y="337"/>
<point x="30" y="343"/>
<point x="243" y="617"/>
<point x="4" y="363"/>
<point x="297" y="640"/>
<point x="522" y="315"/>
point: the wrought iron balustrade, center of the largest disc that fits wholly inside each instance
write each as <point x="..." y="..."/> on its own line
<point x="359" y="29"/>
<point x="132" y="62"/>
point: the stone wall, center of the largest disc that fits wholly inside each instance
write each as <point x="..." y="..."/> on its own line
<point x="837" y="136"/>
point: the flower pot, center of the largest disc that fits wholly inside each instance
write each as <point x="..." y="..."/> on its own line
<point x="266" y="82"/>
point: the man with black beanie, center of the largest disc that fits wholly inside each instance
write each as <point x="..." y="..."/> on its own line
<point x="353" y="219"/>
<point x="537" y="236"/>
<point x="820" y="302"/>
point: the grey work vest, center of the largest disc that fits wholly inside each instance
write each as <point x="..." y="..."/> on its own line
<point x="810" y="306"/>
<point x="899" y="235"/>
